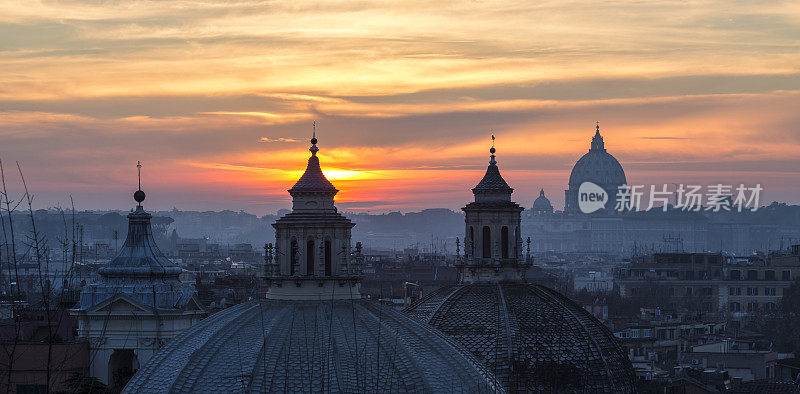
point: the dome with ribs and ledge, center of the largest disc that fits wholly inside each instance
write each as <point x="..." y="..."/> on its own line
<point x="596" y="166"/>
<point x="313" y="332"/>
<point x="532" y="338"/>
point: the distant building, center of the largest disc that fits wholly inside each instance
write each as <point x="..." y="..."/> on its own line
<point x="593" y="282"/>
<point x="740" y="359"/>
<point x="712" y="282"/>
<point x="634" y="232"/>
<point x="596" y="166"/>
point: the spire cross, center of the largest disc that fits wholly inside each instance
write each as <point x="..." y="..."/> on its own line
<point x="314" y="148"/>
<point x="491" y="150"/>
<point x="597" y="123"/>
<point x="139" y="172"/>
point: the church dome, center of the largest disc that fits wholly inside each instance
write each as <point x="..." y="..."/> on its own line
<point x="532" y="338"/>
<point x="542" y="204"/>
<point x="311" y="346"/>
<point x="596" y="166"/>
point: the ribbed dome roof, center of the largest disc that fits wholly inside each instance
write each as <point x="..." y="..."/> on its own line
<point x="311" y="346"/>
<point x="140" y="271"/>
<point x="532" y="338"/>
<point x="542" y="203"/>
<point x="140" y="256"/>
<point x="597" y="166"/>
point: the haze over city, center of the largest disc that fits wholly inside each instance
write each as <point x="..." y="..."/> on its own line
<point x="217" y="99"/>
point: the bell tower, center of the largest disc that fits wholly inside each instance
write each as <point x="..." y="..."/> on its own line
<point x="492" y="239"/>
<point x="312" y="258"/>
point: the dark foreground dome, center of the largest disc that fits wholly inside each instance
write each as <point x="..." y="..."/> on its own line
<point x="532" y="338"/>
<point x="311" y="346"/>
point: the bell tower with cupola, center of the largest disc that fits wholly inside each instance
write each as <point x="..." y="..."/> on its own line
<point x="312" y="257"/>
<point x="492" y="241"/>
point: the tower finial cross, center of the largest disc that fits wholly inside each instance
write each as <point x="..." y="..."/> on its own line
<point x="139" y="172"/>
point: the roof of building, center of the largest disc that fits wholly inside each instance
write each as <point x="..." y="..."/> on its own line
<point x="312" y="346"/>
<point x="139" y="255"/>
<point x="140" y="272"/>
<point x="597" y="166"/>
<point x="532" y="338"/>
<point x="542" y="203"/>
<point x="313" y="180"/>
<point x="492" y="181"/>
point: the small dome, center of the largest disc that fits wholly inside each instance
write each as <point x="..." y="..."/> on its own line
<point x="533" y="338"/>
<point x="542" y="204"/>
<point x="311" y="346"/>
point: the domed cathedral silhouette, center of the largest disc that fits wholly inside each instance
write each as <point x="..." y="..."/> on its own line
<point x="596" y="166"/>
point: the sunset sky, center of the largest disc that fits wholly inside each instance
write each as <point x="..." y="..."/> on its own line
<point x="217" y="99"/>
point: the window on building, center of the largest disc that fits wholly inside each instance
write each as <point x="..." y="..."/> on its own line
<point x="487" y="242"/>
<point x="752" y="307"/>
<point x="293" y="260"/>
<point x="472" y="241"/>
<point x="328" y="258"/>
<point x="735" y="291"/>
<point x="689" y="291"/>
<point x="734" y="307"/>
<point x="770" y="291"/>
<point x="736" y="274"/>
<point x="770" y="307"/>
<point x="769" y="275"/>
<point x="504" y="242"/>
<point x="752" y="291"/>
<point x="752" y="275"/>
<point x="786" y="275"/>
<point x="707" y="291"/>
<point x="310" y="257"/>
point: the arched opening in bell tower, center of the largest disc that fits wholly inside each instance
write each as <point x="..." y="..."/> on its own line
<point x="328" y="258"/>
<point x="293" y="256"/>
<point x="310" y="257"/>
<point x="504" y="242"/>
<point x="487" y="242"/>
<point x="471" y="241"/>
